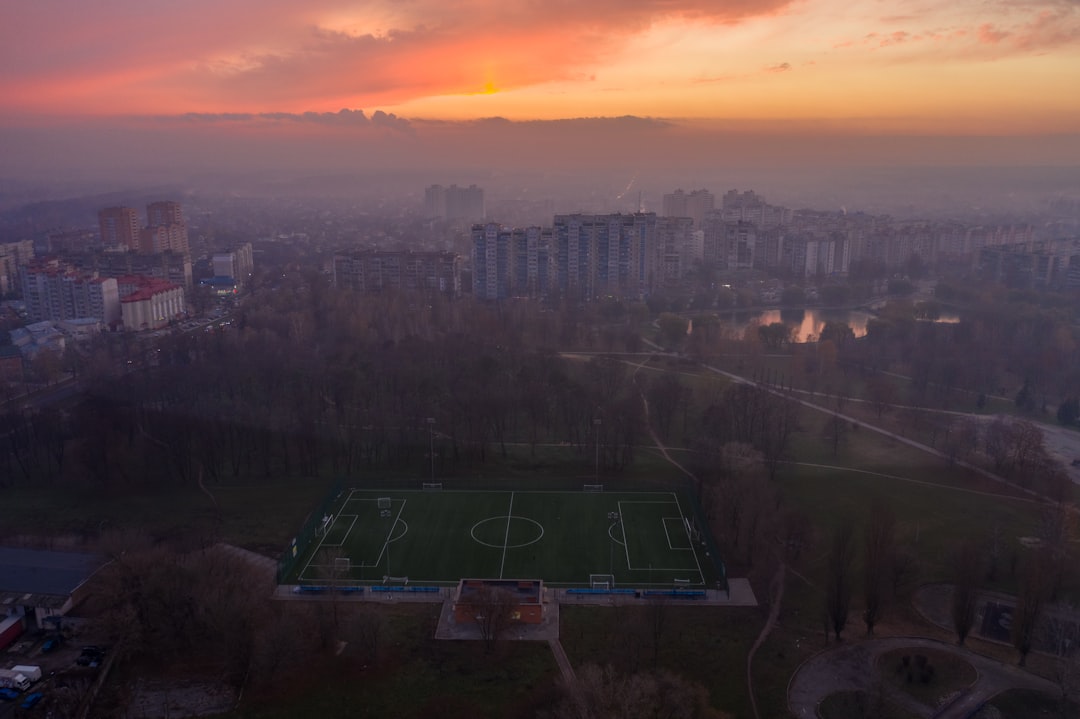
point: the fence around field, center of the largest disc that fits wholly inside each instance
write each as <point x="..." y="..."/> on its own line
<point x="690" y="491"/>
<point x="301" y="543"/>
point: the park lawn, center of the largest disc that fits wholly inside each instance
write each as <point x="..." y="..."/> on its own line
<point x="930" y="518"/>
<point x="950" y="674"/>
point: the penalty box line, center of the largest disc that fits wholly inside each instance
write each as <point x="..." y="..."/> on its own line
<point x="686" y="528"/>
<point x="626" y="543"/>
<point x="390" y="532"/>
<point x="682" y="524"/>
<point x="347" y="531"/>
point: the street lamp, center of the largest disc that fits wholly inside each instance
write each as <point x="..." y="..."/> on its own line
<point x="596" y="434"/>
<point x="431" y="444"/>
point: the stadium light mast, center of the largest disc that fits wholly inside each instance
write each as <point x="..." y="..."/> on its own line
<point x="431" y="444"/>
<point x="596" y="435"/>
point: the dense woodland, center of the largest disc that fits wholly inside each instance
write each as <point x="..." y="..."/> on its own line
<point x="308" y="380"/>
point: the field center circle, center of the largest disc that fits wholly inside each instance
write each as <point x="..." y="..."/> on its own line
<point x="501" y="527"/>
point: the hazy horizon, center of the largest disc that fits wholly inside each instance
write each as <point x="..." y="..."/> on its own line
<point x="681" y="93"/>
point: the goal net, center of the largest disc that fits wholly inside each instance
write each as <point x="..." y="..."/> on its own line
<point x="324" y="526"/>
<point x="342" y="565"/>
<point x="601" y="581"/>
<point x="384" y="502"/>
<point x="593" y="488"/>
<point x="691" y="530"/>
<point x="432" y="486"/>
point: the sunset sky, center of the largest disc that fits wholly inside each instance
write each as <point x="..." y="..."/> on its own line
<point x="912" y="67"/>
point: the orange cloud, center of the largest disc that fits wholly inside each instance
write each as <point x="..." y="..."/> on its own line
<point x="259" y="55"/>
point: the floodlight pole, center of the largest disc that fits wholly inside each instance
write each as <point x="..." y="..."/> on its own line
<point x="431" y="444"/>
<point x="596" y="436"/>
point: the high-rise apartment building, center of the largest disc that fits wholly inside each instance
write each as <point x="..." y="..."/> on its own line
<point x="598" y="255"/>
<point x="454" y="203"/>
<point x="164" y="213"/>
<point x="12" y="256"/>
<point x="675" y="248"/>
<point x="694" y="205"/>
<point x="55" y="291"/>
<point x="165" y="229"/>
<point x="511" y="262"/>
<point x="119" y="227"/>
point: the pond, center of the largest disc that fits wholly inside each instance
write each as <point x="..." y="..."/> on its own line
<point x="809" y="322"/>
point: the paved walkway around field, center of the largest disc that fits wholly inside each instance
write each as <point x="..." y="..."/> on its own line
<point x="851" y="667"/>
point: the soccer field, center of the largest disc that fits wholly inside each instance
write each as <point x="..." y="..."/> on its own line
<point x="643" y="539"/>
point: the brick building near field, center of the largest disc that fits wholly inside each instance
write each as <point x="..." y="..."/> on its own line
<point x="473" y="598"/>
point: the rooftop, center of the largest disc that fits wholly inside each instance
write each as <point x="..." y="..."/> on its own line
<point x="28" y="572"/>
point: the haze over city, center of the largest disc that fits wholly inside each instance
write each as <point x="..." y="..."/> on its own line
<point x="127" y="89"/>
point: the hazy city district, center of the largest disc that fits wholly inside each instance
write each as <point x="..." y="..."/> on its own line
<point x="334" y="447"/>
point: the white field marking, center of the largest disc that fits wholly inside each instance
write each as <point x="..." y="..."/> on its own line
<point x="610" y="532"/>
<point x="679" y="521"/>
<point x="347" y="532"/>
<point x="389" y="534"/>
<point x="626" y="544"/>
<point x="506" y="537"/>
<point x="701" y="574"/>
<point x="482" y="543"/>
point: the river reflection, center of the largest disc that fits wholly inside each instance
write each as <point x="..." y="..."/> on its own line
<point x="808" y="323"/>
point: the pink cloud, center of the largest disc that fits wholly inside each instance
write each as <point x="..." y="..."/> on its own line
<point x="988" y="35"/>
<point x="1027" y="28"/>
<point x="260" y="55"/>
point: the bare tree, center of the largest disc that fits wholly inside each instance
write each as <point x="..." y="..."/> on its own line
<point x="1029" y="605"/>
<point x="878" y="559"/>
<point x="840" y="563"/>
<point x="494" y="609"/>
<point x="1061" y="635"/>
<point x="967" y="575"/>
<point x="603" y="692"/>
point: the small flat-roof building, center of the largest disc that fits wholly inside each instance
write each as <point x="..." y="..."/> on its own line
<point x="35" y="584"/>
<point x="528" y="594"/>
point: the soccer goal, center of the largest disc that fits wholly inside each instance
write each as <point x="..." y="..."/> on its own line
<point x="593" y="488"/>
<point x="342" y="565"/>
<point x="691" y="530"/>
<point x="432" y="486"/>
<point x="324" y="526"/>
<point x="601" y="581"/>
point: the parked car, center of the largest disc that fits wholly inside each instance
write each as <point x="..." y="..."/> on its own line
<point x="91" y="656"/>
<point x="31" y="700"/>
<point x="8" y="695"/>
